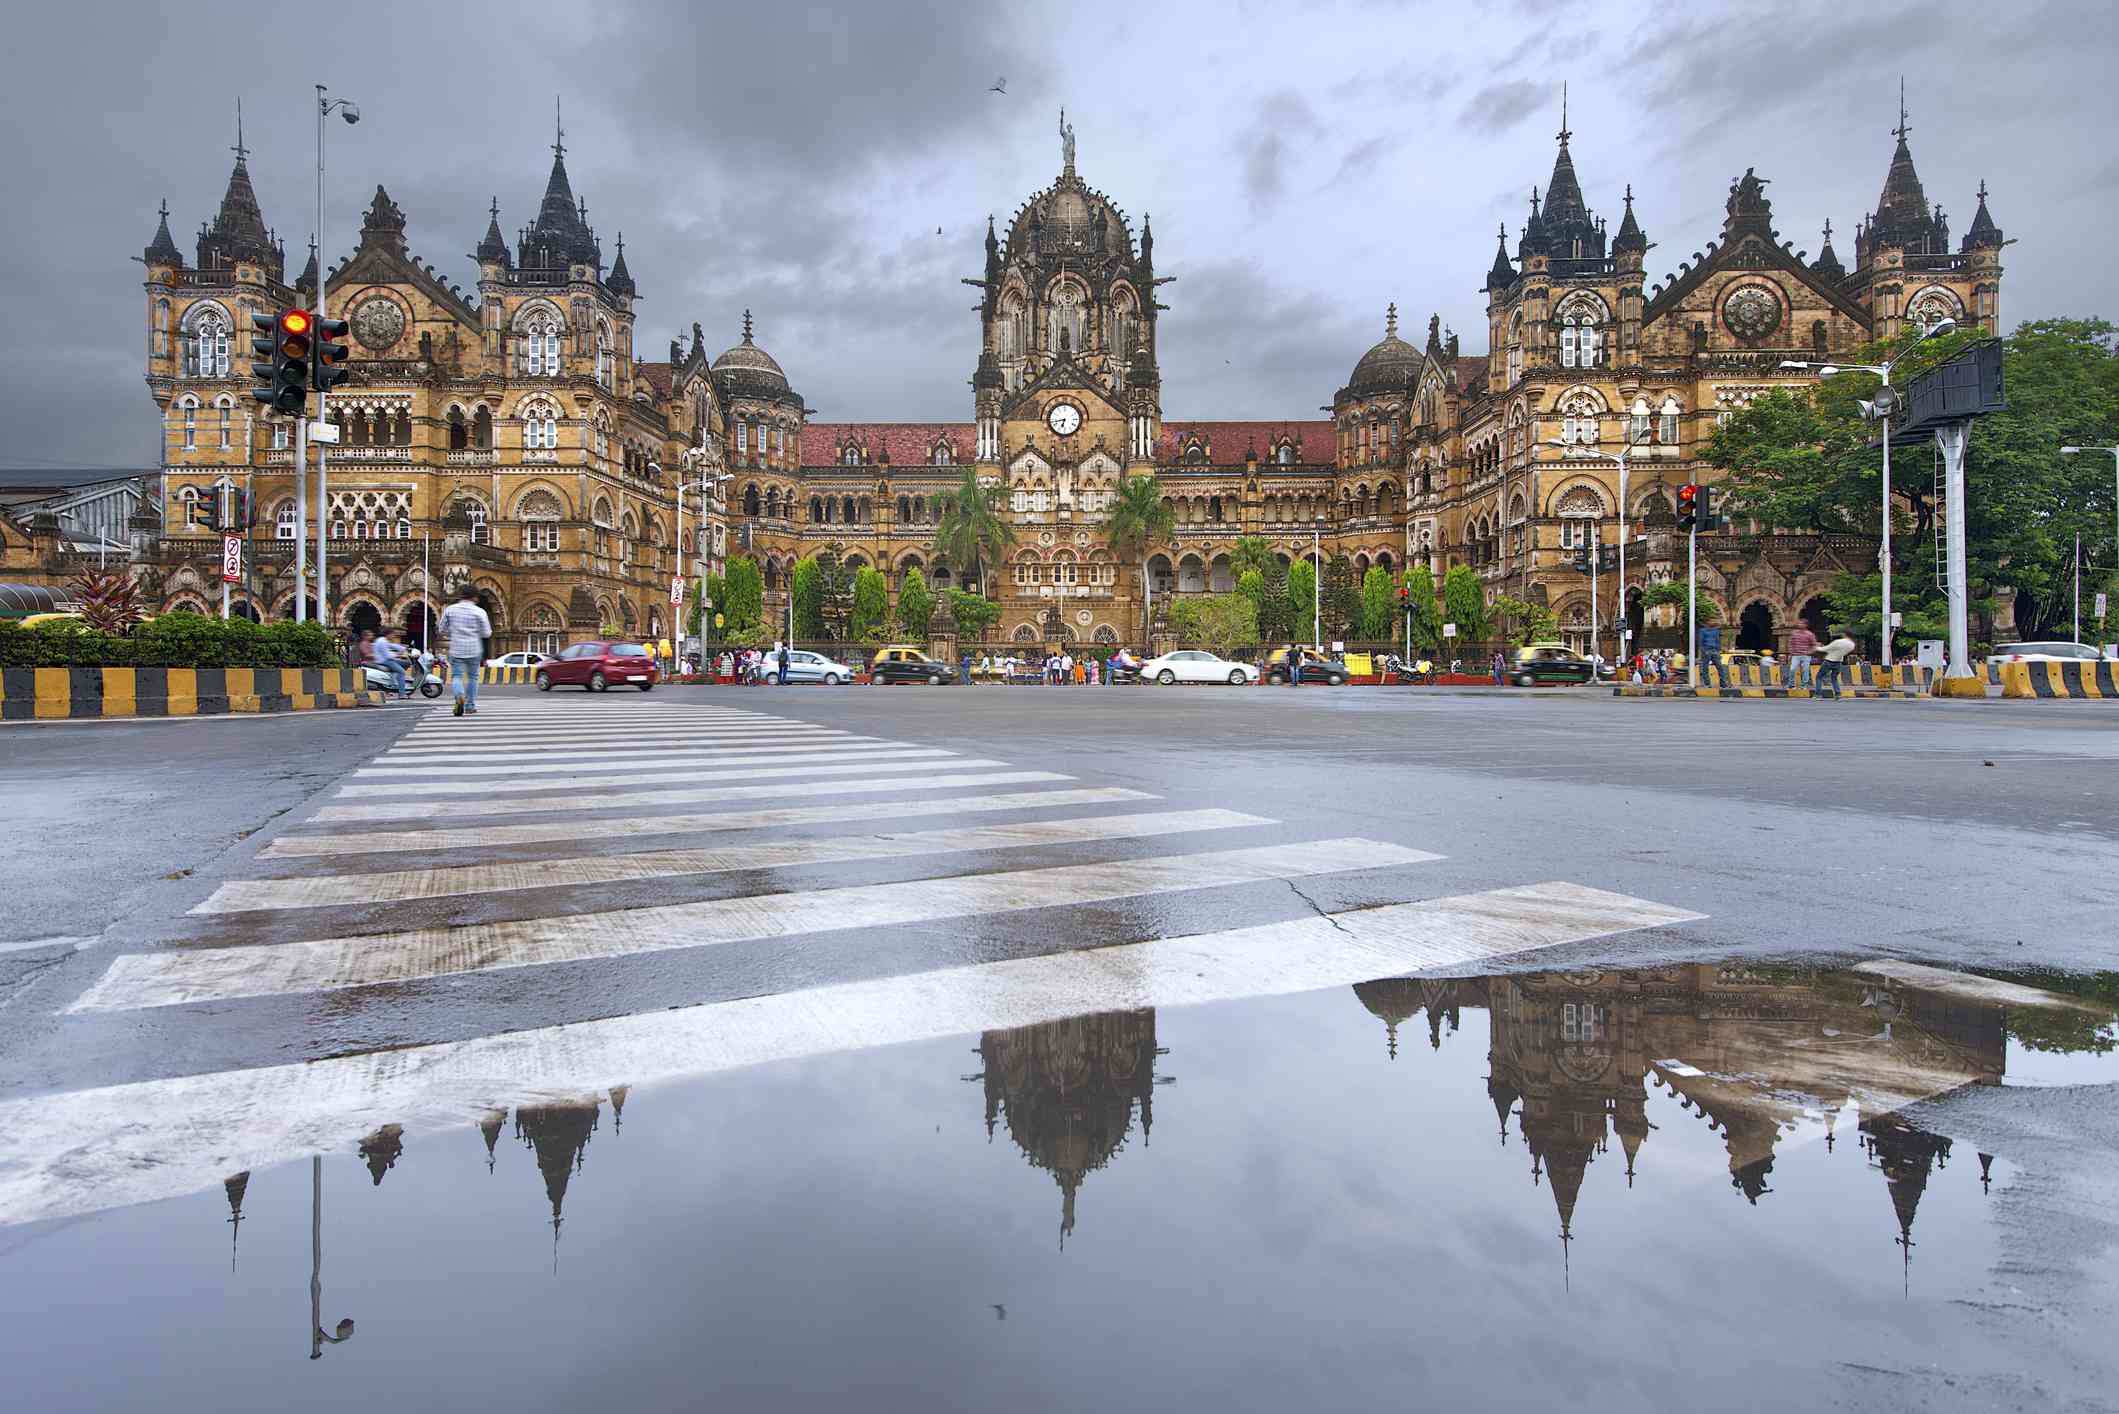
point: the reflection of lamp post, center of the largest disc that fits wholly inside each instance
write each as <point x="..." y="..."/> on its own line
<point x="318" y="1338"/>
<point x="1880" y="409"/>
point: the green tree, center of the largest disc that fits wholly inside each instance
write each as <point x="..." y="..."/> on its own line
<point x="809" y="599"/>
<point x="743" y="589"/>
<point x="915" y="605"/>
<point x="1529" y="622"/>
<point x="1298" y="601"/>
<point x="1342" y="597"/>
<point x="974" y="614"/>
<point x="1427" y="623"/>
<point x="870" y="613"/>
<point x="972" y="530"/>
<point x="1251" y="552"/>
<point x="1228" y="625"/>
<point x="1804" y="461"/>
<point x="1378" y="604"/>
<point x="1139" y="519"/>
<point x="834" y="593"/>
<point x="1183" y="620"/>
<point x="1464" y="604"/>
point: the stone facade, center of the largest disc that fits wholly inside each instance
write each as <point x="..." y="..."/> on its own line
<point x="517" y="435"/>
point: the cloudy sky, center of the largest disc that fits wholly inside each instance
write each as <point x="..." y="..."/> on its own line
<point x="1305" y="163"/>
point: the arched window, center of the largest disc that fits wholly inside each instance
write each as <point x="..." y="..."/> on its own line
<point x="188" y="415"/>
<point x="540" y="513"/>
<point x="816" y="510"/>
<point x="1581" y="333"/>
<point x="942" y="454"/>
<point x="606" y="360"/>
<point x="1637" y="423"/>
<point x="600" y="513"/>
<point x="224" y="412"/>
<point x="750" y="499"/>
<point x="475" y="512"/>
<point x="1287" y="454"/>
<point x="601" y="428"/>
<point x="459" y="434"/>
<point x="540" y="331"/>
<point x="161" y="343"/>
<point x="1515" y="348"/>
<point x="1008" y="329"/>
<point x="283" y="522"/>
<point x="540" y="425"/>
<point x="1666" y="426"/>
<point x="1580" y="421"/>
<point x="1067" y="318"/>
<point x="851" y="456"/>
<point x="847" y="514"/>
<point x="482" y="429"/>
<point x="206" y="347"/>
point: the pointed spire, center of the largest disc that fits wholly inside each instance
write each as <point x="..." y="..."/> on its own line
<point x="1503" y="274"/>
<point x="1630" y="240"/>
<point x="620" y="280"/>
<point x="235" y="1187"/>
<point x="307" y="279"/>
<point x="1903" y="217"/>
<point x="1390" y="320"/>
<point x="1984" y="234"/>
<point x="493" y="248"/>
<point x="1827" y="266"/>
<point x="238" y="229"/>
<point x="162" y="250"/>
<point x="489" y="1126"/>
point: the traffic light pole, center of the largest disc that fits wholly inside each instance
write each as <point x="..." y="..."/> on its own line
<point x="301" y="517"/>
<point x="1692" y="604"/>
<point x="1596" y="555"/>
<point x="323" y="513"/>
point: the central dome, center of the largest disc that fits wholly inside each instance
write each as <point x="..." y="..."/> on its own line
<point x="1071" y="218"/>
<point x="748" y="369"/>
<point x="1389" y="365"/>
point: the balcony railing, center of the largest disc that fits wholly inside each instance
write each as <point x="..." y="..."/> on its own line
<point x="471" y="456"/>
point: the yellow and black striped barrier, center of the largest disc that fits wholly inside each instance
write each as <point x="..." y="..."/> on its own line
<point x="489" y="675"/>
<point x="73" y="694"/>
<point x="2059" y="679"/>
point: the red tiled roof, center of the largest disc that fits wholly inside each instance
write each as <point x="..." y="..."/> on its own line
<point x="1228" y="442"/>
<point x="909" y="443"/>
<point x="1471" y="373"/>
<point x="656" y="376"/>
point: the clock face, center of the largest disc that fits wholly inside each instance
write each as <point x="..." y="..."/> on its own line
<point x="1064" y="419"/>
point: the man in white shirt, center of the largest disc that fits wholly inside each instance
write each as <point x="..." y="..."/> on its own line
<point x="1831" y="673"/>
<point x="465" y="629"/>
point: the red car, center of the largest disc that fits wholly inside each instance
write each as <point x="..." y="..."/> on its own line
<point x="598" y="666"/>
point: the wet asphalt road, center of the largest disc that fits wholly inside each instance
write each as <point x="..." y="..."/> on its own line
<point x="800" y="1024"/>
<point x="1951" y="833"/>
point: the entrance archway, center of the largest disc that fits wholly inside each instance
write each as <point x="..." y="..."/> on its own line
<point x="1636" y="616"/>
<point x="363" y="617"/>
<point x="1815" y="612"/>
<point x="1754" y="631"/>
<point x="419" y="625"/>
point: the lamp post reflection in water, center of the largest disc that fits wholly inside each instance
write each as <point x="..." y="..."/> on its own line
<point x="344" y="1332"/>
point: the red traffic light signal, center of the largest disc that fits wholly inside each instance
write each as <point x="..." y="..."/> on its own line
<point x="1689" y="506"/>
<point x="293" y="339"/>
<point x="331" y="356"/>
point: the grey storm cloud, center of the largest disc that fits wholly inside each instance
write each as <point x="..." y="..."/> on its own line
<point x="830" y="166"/>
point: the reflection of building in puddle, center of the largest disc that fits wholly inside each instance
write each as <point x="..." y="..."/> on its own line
<point x="1753" y="1053"/>
<point x="1067" y="1091"/>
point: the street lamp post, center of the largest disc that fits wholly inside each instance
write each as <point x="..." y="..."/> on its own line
<point x="350" y="111"/>
<point x="707" y="486"/>
<point x="1317" y="582"/>
<point x="1627" y="445"/>
<point x="1880" y="409"/>
<point x="2078" y="451"/>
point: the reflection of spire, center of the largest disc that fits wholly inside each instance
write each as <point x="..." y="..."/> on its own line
<point x="1392" y="1001"/>
<point x="1068" y="1091"/>
<point x="559" y="1136"/>
<point x="489" y="1126"/>
<point x="1503" y="1094"/>
<point x="380" y="1150"/>
<point x="235" y="1188"/>
<point x="1986" y="1173"/>
<point x="1905" y="1155"/>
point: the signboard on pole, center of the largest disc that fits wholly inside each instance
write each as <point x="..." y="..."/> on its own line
<point x="677" y="589"/>
<point x="231" y="559"/>
<point x="325" y="432"/>
<point x="2100" y="606"/>
<point x="1449" y="630"/>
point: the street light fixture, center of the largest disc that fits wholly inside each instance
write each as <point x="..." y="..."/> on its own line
<point x="1879" y="409"/>
<point x="1627" y="447"/>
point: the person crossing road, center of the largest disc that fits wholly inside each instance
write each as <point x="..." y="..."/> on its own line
<point x="465" y="628"/>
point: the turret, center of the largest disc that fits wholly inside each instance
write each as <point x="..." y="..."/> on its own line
<point x="1503" y="274"/>
<point x="1630" y="244"/>
<point x="162" y="250"/>
<point x="1827" y="267"/>
<point x="620" y="281"/>
<point x="1984" y="234"/>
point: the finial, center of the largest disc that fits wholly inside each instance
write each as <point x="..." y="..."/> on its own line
<point x="1564" y="133"/>
<point x="621" y="243"/>
<point x="1390" y="321"/>
<point x="1903" y="127"/>
<point x="1982" y="192"/>
<point x="165" y="201"/>
<point x="494" y="209"/>
<point x="1629" y="194"/>
<point x="1828" y="230"/>
<point x="559" y="131"/>
<point x="746" y="326"/>
<point x="241" y="152"/>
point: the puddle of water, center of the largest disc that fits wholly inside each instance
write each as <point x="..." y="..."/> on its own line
<point x="1679" y="1187"/>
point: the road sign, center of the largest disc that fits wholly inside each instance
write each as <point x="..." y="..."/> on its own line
<point x="2100" y="606"/>
<point x="1449" y="630"/>
<point x="677" y="589"/>
<point x="231" y="559"/>
<point x="324" y="432"/>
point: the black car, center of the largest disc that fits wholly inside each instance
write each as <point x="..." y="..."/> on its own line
<point x="1331" y="671"/>
<point x="904" y="665"/>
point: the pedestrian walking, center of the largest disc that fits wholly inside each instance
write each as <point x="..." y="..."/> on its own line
<point x="1294" y="665"/>
<point x="1802" y="647"/>
<point x="1500" y="669"/>
<point x="1711" y="656"/>
<point x="465" y="628"/>
<point x="782" y="655"/>
<point x="1832" y="671"/>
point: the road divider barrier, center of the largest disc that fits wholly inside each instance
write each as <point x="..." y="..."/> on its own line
<point x="73" y="694"/>
<point x="2059" y="679"/>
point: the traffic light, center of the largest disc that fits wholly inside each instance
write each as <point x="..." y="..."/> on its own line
<point x="331" y="355"/>
<point x="239" y="511"/>
<point x="1405" y="598"/>
<point x="1584" y="557"/>
<point x="1705" y="514"/>
<point x="282" y="361"/>
<point x="205" y="508"/>
<point x="1608" y="559"/>
<point x="1689" y="506"/>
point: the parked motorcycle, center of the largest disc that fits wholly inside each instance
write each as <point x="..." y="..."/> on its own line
<point x="1397" y="672"/>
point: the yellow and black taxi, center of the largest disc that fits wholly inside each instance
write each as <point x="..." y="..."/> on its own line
<point x="1539" y="664"/>
<point x="1317" y="666"/>
<point x="901" y="662"/>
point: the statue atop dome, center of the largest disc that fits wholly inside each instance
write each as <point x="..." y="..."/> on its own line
<point x="1066" y="145"/>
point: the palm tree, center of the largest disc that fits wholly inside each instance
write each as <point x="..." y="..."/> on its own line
<point x="971" y="528"/>
<point x="1139" y="520"/>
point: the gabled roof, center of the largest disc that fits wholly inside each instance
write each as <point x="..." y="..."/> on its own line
<point x="382" y="259"/>
<point x="909" y="444"/>
<point x="1227" y="443"/>
<point x="658" y="376"/>
<point x="1747" y="244"/>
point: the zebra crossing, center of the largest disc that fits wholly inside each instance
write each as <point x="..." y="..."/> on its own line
<point x="704" y="804"/>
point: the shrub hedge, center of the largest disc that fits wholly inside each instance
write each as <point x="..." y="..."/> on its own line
<point x="176" y="640"/>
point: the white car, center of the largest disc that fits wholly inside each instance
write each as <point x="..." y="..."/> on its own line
<point x="805" y="666"/>
<point x="517" y="660"/>
<point x="1196" y="665"/>
<point x="2046" y="651"/>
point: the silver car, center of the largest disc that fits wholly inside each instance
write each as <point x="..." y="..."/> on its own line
<point x="804" y="666"/>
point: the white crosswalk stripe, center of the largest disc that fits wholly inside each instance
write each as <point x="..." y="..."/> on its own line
<point x="676" y="818"/>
